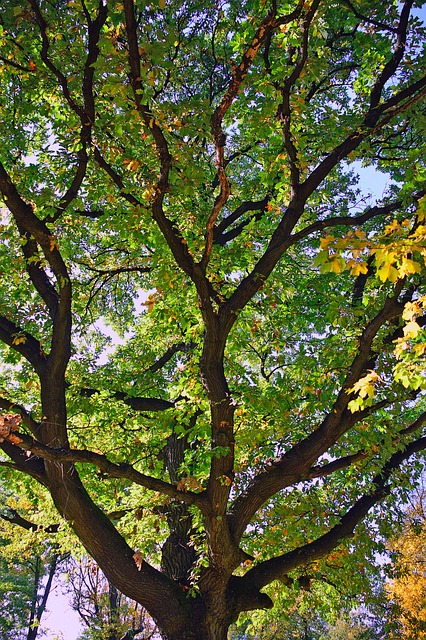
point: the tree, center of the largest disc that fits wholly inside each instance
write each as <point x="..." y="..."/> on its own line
<point x="27" y="573"/>
<point x="105" y="612"/>
<point x="185" y="174"/>
<point x="407" y="589"/>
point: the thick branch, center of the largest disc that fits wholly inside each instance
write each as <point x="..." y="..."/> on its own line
<point x="220" y="237"/>
<point x="392" y="65"/>
<point x="177" y="246"/>
<point x="37" y="274"/>
<point x="175" y="348"/>
<point x="296" y="463"/>
<point x="137" y="403"/>
<point x="239" y="73"/>
<point x="275" y="568"/>
<point x="28" y="421"/>
<point x="22" y="342"/>
<point x="108" y="468"/>
<point x="284" y="110"/>
<point x="280" y="240"/>
<point x="21" y="461"/>
<point x="321" y="471"/>
<point x="27" y="221"/>
<point x="15" y="518"/>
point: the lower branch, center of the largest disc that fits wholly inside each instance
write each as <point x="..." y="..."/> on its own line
<point x="277" y="568"/>
<point x="108" y="468"/>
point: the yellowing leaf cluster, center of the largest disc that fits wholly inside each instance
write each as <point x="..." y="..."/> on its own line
<point x="366" y="389"/>
<point x="396" y="255"/>
<point x="408" y="589"/>
<point x="410" y="349"/>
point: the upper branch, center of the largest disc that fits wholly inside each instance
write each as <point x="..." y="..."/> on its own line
<point x="15" y="518"/>
<point x="342" y="463"/>
<point x="284" y="109"/>
<point x="281" y="238"/>
<point x="22" y="342"/>
<point x="371" y="212"/>
<point x="239" y="73"/>
<point x="85" y="112"/>
<point x="220" y="237"/>
<point x="137" y="403"/>
<point x="392" y="65"/>
<point x="37" y="274"/>
<point x="27" y="221"/>
<point x="173" y="239"/>
<point x="30" y="465"/>
<point x="28" y="421"/>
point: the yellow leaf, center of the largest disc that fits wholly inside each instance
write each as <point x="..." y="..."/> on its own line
<point x="411" y="310"/>
<point x="324" y="242"/>
<point x="18" y="338"/>
<point x="409" y="266"/>
<point x="53" y="243"/>
<point x="365" y="386"/>
<point x="401" y="346"/>
<point x="9" y="422"/>
<point x="388" y="272"/>
<point x="337" y="265"/>
<point x="357" y="267"/>
<point x="150" y="302"/>
<point x="411" y="329"/>
<point x="131" y="164"/>
<point x="392" y="228"/>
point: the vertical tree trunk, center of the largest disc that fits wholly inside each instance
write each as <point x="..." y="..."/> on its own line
<point x="32" y="623"/>
<point x="113" y="611"/>
<point x="37" y="611"/>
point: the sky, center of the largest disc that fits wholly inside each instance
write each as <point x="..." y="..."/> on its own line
<point x="60" y="622"/>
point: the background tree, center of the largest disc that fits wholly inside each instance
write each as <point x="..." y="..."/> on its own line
<point x="28" y="566"/>
<point x="106" y="613"/>
<point x="407" y="590"/>
<point x="266" y="401"/>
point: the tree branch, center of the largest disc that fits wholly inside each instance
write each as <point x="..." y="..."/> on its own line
<point x="28" y="421"/>
<point x="342" y="463"/>
<point x="275" y="568"/>
<point x="27" y="221"/>
<point x="175" y="348"/>
<point x="239" y="73"/>
<point x="22" y="342"/>
<point x="15" y="518"/>
<point x="296" y="463"/>
<point x="392" y="65"/>
<point x="108" y="468"/>
<point x="137" y="403"/>
<point x="284" y="109"/>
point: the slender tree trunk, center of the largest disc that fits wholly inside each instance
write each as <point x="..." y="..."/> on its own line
<point x="113" y="611"/>
<point x="37" y="611"/>
<point x="32" y="626"/>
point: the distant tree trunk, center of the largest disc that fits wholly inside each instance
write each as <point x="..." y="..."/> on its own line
<point x="113" y="611"/>
<point x="37" y="610"/>
<point x="32" y="623"/>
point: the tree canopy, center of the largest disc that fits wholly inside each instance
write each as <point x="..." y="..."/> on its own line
<point x="212" y="336"/>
